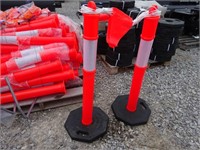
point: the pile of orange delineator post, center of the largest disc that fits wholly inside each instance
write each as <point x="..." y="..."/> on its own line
<point x="39" y="57"/>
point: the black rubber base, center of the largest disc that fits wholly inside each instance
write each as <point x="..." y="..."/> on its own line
<point x="139" y="117"/>
<point x="80" y="132"/>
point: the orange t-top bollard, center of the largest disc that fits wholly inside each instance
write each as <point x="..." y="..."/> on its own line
<point x="88" y="123"/>
<point x="130" y="108"/>
<point x="35" y="72"/>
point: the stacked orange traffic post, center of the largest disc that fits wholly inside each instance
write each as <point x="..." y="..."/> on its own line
<point x="131" y="109"/>
<point x="38" y="58"/>
<point x="34" y="93"/>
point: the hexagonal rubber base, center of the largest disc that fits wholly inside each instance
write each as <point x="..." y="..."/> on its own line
<point x="80" y="132"/>
<point x="139" y="117"/>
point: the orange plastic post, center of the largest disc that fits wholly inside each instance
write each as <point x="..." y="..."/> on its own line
<point x="41" y="56"/>
<point x="55" y="77"/>
<point x="33" y="93"/>
<point x="24" y="75"/>
<point x="50" y="17"/>
<point x="147" y="36"/>
<point x="6" y="49"/>
<point x="88" y="96"/>
<point x="5" y="58"/>
<point x="46" y="32"/>
<point x="4" y="69"/>
<point x="38" y="71"/>
<point x="90" y="35"/>
<point x="135" y="88"/>
<point x="70" y="40"/>
<point x="35" y="25"/>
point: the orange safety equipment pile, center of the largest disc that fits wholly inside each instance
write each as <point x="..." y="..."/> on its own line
<point x="38" y="57"/>
<point x="21" y="15"/>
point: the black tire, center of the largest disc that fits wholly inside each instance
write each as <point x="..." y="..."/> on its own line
<point x="171" y="23"/>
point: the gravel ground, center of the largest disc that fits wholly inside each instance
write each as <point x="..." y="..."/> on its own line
<point x="171" y="92"/>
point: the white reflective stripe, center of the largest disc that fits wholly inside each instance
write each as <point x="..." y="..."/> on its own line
<point x="173" y="40"/>
<point x="89" y="54"/>
<point x="27" y="33"/>
<point x="28" y="60"/>
<point x="116" y="62"/>
<point x="118" y="56"/>
<point x="143" y="53"/>
<point x="8" y="40"/>
<point x="123" y="5"/>
<point x="154" y="58"/>
<point x="168" y="47"/>
<point x="134" y="48"/>
<point x="31" y="51"/>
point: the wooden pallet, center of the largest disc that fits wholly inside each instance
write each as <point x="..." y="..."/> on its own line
<point x="115" y="69"/>
<point x="188" y="42"/>
<point x="73" y="95"/>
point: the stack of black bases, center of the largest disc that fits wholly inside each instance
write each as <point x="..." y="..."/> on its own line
<point x="123" y="54"/>
<point x="166" y="40"/>
<point x="195" y="20"/>
<point x="103" y="48"/>
<point x="123" y="5"/>
<point x="191" y="19"/>
<point x="164" y="47"/>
